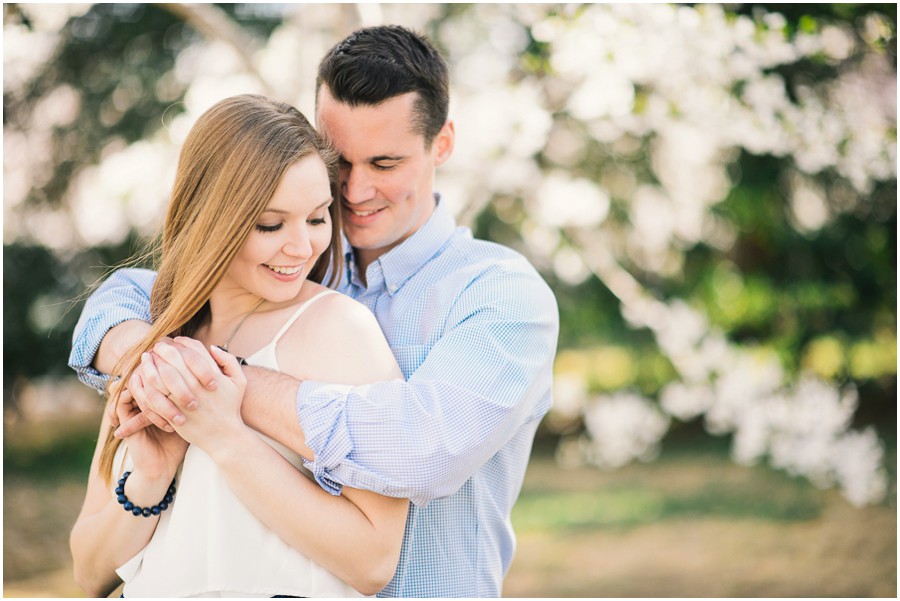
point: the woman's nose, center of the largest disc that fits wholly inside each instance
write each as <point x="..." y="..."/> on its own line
<point x="299" y="245"/>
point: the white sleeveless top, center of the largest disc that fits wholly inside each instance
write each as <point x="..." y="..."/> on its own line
<point x="207" y="544"/>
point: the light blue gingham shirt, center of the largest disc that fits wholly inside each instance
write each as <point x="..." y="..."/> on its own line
<point x="474" y="329"/>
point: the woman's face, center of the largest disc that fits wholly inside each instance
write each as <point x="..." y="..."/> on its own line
<point x="290" y="235"/>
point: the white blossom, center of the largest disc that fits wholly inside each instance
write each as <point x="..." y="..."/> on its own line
<point x="562" y="201"/>
<point x="623" y="427"/>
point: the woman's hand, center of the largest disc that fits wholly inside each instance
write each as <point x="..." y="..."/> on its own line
<point x="155" y="400"/>
<point x="155" y="453"/>
<point x="213" y="417"/>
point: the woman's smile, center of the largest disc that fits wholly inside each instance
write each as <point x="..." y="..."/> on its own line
<point x="285" y="273"/>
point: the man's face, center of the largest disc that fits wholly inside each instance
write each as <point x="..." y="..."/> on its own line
<point x="387" y="173"/>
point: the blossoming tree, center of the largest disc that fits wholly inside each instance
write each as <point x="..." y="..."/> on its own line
<point x="610" y="143"/>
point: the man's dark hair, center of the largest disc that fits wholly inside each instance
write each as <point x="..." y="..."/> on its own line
<point x="375" y="64"/>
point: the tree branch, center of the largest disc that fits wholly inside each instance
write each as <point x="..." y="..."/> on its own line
<point x="215" y="24"/>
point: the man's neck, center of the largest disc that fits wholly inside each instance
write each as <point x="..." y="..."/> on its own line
<point x="364" y="258"/>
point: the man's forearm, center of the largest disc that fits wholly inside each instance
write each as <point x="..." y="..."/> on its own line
<point x="269" y="407"/>
<point x="124" y="296"/>
<point x="117" y="342"/>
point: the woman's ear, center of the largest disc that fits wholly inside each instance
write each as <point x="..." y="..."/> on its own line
<point x="442" y="146"/>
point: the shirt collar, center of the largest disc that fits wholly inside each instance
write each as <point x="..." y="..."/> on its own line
<point x="404" y="260"/>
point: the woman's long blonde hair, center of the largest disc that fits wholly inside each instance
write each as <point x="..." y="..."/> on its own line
<point x="230" y="165"/>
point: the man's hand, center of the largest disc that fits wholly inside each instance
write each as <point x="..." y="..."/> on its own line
<point x="161" y="391"/>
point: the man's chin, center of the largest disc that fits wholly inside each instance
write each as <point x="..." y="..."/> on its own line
<point x="361" y="240"/>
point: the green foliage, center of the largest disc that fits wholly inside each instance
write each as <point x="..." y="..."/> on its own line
<point x="116" y="57"/>
<point x="119" y="60"/>
<point x="119" y="57"/>
<point x="42" y="298"/>
<point x="35" y="316"/>
<point x="64" y="456"/>
<point x="806" y="17"/>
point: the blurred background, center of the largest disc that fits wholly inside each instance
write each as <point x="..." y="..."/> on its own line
<point x="709" y="189"/>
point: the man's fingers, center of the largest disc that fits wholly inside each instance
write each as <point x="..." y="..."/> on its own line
<point x="111" y="414"/>
<point x="115" y="388"/>
<point x="126" y="407"/>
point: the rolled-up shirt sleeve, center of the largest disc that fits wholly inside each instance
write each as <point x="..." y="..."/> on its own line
<point x="488" y="375"/>
<point x="125" y="295"/>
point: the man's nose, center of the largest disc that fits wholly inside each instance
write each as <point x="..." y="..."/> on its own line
<point x="356" y="187"/>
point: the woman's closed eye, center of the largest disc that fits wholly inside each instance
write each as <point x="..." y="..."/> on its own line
<point x="268" y="228"/>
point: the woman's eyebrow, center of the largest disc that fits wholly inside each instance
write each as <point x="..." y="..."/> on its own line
<point x="325" y="203"/>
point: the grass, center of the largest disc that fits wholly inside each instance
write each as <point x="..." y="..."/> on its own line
<point x="629" y="506"/>
<point x="49" y="458"/>
<point x="694" y="477"/>
<point x="690" y="524"/>
<point x="694" y="524"/>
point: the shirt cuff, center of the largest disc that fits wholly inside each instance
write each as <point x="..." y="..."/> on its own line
<point x="85" y="348"/>
<point x="320" y="409"/>
<point x="93" y="378"/>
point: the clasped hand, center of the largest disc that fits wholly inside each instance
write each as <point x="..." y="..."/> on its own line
<point x="182" y="386"/>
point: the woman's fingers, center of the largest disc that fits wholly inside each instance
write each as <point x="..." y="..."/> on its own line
<point x="141" y="397"/>
<point x="198" y="360"/>
<point x="172" y="379"/>
<point x="155" y="395"/>
<point x="228" y="363"/>
<point x="176" y="378"/>
<point x="174" y="372"/>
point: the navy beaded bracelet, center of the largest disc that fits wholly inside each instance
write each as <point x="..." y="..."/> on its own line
<point x="143" y="511"/>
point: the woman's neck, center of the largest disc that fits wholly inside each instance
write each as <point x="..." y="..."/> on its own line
<point x="230" y="306"/>
<point x="227" y="309"/>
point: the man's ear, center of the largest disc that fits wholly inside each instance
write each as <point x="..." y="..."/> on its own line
<point x="442" y="146"/>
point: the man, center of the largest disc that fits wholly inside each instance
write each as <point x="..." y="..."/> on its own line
<point x="471" y="323"/>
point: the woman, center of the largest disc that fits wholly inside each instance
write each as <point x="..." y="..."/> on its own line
<point x="229" y="512"/>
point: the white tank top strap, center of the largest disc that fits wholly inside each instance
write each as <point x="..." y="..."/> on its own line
<point x="297" y="315"/>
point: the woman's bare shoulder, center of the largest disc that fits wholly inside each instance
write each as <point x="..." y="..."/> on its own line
<point x="340" y="340"/>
